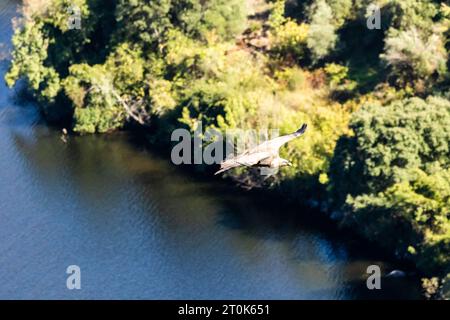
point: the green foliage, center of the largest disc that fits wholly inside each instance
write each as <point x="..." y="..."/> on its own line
<point x="407" y="14"/>
<point x="337" y="73"/>
<point x="128" y="68"/>
<point x="341" y="87"/>
<point x="230" y="93"/>
<point x="240" y="96"/>
<point x="291" y="78"/>
<point x="99" y="117"/>
<point x="148" y="22"/>
<point x="277" y="16"/>
<point x="45" y="48"/>
<point x="412" y="58"/>
<point x="57" y="60"/>
<point x="94" y="89"/>
<point x="227" y="18"/>
<point x="96" y="108"/>
<point x="417" y="209"/>
<point x="322" y="33"/>
<point x="289" y="39"/>
<point x="393" y="176"/>
<point x="143" y="21"/>
<point x="342" y="10"/>
<point x="28" y="61"/>
<point x="311" y="155"/>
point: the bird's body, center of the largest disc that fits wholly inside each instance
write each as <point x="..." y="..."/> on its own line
<point x="265" y="154"/>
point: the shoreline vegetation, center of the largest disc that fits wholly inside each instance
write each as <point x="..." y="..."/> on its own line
<point x="376" y="157"/>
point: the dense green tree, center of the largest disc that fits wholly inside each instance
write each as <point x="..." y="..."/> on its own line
<point x="392" y="177"/>
<point x="411" y="58"/>
<point x="288" y="38"/>
<point x="149" y="21"/>
<point x="406" y="14"/>
<point x="342" y="10"/>
<point x="60" y="63"/>
<point x="322" y="33"/>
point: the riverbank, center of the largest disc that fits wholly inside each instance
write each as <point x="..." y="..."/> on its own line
<point x="141" y="228"/>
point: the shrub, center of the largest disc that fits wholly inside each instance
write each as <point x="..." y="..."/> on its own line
<point x="291" y="78"/>
<point x="411" y="58"/>
<point x="407" y="14"/>
<point x="322" y="33"/>
<point x="392" y="177"/>
<point x="289" y="40"/>
<point x="342" y="10"/>
<point x="96" y="108"/>
<point x="148" y="21"/>
<point x="94" y="90"/>
<point x="340" y="85"/>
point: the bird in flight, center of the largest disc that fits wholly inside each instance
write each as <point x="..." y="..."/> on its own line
<point x="265" y="154"/>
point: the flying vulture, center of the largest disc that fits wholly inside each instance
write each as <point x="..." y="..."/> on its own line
<point x="265" y="154"/>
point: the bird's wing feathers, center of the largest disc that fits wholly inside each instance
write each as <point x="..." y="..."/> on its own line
<point x="276" y="143"/>
<point x="246" y="159"/>
<point x="253" y="158"/>
<point x="267" y="149"/>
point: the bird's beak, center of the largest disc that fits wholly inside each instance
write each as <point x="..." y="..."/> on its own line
<point x="290" y="164"/>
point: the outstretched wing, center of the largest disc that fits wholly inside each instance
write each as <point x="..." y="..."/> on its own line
<point x="275" y="144"/>
<point x="267" y="149"/>
<point x="246" y="159"/>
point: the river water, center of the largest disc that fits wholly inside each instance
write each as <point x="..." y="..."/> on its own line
<point x="139" y="227"/>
